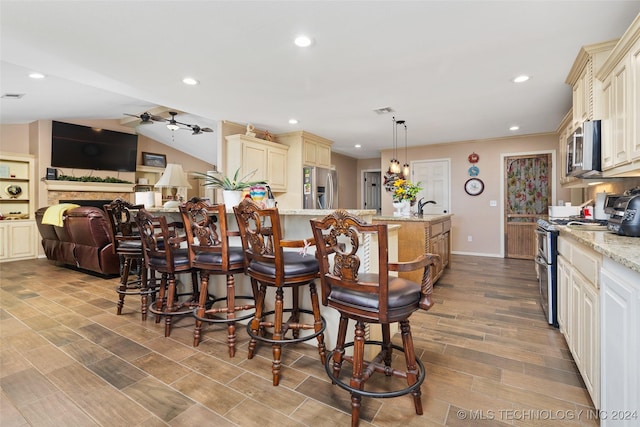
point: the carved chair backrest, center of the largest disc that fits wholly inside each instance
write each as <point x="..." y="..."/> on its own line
<point x="206" y="229"/>
<point x="342" y="235"/>
<point x="159" y="239"/>
<point x="122" y="225"/>
<point x="260" y="232"/>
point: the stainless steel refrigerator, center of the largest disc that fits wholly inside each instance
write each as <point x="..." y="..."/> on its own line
<point x="320" y="188"/>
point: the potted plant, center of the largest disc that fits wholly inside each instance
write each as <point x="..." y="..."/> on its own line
<point x="231" y="187"/>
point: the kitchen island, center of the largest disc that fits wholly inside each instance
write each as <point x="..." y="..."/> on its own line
<point x="422" y="234"/>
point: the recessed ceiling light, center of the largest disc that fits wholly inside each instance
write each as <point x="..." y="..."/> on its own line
<point x="36" y="75"/>
<point x="514" y="127"/>
<point x="190" y="81"/>
<point x="302" y="41"/>
<point x="358" y="146"/>
<point x="293" y="122"/>
<point x="521" y="79"/>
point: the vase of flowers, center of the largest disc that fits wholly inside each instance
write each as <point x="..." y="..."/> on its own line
<point x="404" y="193"/>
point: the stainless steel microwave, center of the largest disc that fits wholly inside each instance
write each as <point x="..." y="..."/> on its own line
<point x="584" y="151"/>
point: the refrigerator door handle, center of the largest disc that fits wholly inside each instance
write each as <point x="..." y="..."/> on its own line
<point x="329" y="191"/>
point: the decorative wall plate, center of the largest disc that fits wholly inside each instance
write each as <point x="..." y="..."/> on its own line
<point x="474" y="171"/>
<point x="473" y="158"/>
<point x="13" y="190"/>
<point x="474" y="186"/>
<point x="389" y="179"/>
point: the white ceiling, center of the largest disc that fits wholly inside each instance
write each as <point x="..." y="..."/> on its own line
<point x="444" y="66"/>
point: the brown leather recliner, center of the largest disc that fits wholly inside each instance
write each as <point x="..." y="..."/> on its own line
<point x="83" y="242"/>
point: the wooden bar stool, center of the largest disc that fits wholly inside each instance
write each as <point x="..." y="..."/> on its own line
<point x="210" y="253"/>
<point x="270" y="265"/>
<point x="370" y="298"/>
<point x="128" y="246"/>
<point x="164" y="253"/>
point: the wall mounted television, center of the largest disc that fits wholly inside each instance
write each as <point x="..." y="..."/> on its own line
<point x="83" y="147"/>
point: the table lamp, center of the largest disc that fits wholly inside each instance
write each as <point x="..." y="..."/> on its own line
<point x="173" y="177"/>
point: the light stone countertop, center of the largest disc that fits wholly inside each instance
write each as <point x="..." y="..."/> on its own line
<point x="423" y="218"/>
<point x="302" y="212"/>
<point x="624" y="250"/>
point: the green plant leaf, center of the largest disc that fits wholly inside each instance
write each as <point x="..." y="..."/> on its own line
<point x="223" y="182"/>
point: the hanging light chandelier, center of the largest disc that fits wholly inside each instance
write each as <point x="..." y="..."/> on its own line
<point x="405" y="167"/>
<point x="394" y="164"/>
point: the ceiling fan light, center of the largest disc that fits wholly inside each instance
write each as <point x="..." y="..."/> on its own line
<point x="172" y="126"/>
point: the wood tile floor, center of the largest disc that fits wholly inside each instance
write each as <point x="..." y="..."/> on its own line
<point x="68" y="360"/>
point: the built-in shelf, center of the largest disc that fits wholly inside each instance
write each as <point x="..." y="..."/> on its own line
<point x="150" y="169"/>
<point x="105" y="187"/>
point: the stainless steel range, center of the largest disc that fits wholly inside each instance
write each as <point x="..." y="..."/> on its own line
<point x="547" y="260"/>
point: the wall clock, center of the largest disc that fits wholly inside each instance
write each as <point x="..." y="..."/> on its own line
<point x="474" y="186"/>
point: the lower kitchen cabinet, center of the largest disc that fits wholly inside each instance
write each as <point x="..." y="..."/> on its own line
<point x="18" y="240"/>
<point x="430" y="234"/>
<point x="579" y="309"/>
<point x="620" y="304"/>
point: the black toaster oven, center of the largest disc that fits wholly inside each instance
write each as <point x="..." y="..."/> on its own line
<point x="625" y="216"/>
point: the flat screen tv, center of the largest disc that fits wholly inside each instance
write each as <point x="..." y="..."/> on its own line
<point x="83" y="147"/>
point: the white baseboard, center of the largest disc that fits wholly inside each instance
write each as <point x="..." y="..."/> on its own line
<point x="477" y="254"/>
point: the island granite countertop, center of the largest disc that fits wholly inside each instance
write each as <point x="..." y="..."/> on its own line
<point x="624" y="250"/>
<point x="413" y="218"/>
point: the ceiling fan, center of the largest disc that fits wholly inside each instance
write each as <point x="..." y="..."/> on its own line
<point x="172" y="123"/>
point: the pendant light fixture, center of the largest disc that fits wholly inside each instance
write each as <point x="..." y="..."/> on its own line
<point x="405" y="167"/>
<point x="394" y="164"/>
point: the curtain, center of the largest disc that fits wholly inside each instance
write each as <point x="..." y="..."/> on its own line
<point x="528" y="185"/>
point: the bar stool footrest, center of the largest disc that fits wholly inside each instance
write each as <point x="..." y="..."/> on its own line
<point x="287" y="340"/>
<point x="375" y="394"/>
<point x="211" y="302"/>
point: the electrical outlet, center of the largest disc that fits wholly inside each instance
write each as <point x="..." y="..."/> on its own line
<point x="493" y="203"/>
<point x="469" y="238"/>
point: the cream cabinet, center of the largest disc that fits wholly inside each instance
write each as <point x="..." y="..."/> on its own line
<point x="620" y="303"/>
<point x="305" y="149"/>
<point x="587" y="91"/>
<point x="620" y="76"/>
<point x="315" y="150"/>
<point x="18" y="240"/>
<point x="615" y="149"/>
<point x="316" y="153"/>
<point x="579" y="309"/>
<point x="564" y="132"/>
<point x="18" y="234"/>
<point x="268" y="159"/>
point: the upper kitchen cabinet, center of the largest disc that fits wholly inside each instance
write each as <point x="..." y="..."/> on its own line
<point x="620" y="77"/>
<point x="587" y="90"/>
<point x="316" y="150"/>
<point x="268" y="159"/>
<point x="305" y="149"/>
<point x="564" y="132"/>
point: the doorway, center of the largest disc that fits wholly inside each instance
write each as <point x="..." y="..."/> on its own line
<point x="527" y="195"/>
<point x="372" y="191"/>
<point x="434" y="178"/>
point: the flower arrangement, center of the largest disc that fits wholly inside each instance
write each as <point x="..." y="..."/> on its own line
<point x="403" y="189"/>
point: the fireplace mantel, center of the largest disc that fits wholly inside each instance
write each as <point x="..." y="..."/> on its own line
<point x="104" y="187"/>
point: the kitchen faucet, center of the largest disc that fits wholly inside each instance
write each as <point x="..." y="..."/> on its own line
<point x="421" y="204"/>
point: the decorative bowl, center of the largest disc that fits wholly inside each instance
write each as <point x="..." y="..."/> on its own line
<point x="13" y="191"/>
